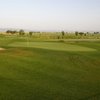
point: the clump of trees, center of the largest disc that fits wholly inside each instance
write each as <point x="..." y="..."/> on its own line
<point x="80" y="33"/>
<point x="21" y="32"/>
<point x="96" y="33"/>
<point x="11" y="32"/>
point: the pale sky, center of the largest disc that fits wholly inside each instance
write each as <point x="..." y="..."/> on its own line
<point x="51" y="15"/>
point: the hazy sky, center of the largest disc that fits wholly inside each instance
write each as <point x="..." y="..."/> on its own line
<point x="69" y="15"/>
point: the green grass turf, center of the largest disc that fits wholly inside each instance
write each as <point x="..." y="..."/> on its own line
<point x="46" y="72"/>
<point x="58" y="46"/>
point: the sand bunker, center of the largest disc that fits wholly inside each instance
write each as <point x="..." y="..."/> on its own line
<point x="2" y="49"/>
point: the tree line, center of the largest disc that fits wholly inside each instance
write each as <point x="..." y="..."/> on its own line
<point x="20" y="32"/>
<point x="62" y="35"/>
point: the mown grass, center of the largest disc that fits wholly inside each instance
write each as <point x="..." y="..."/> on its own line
<point x="38" y="73"/>
<point x="59" y="46"/>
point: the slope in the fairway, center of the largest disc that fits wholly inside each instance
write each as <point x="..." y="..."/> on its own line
<point x="59" y="46"/>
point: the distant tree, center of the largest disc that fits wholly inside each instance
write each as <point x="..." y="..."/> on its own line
<point x="81" y="33"/>
<point x="63" y="33"/>
<point x="14" y="32"/>
<point x="96" y="32"/>
<point x="30" y="33"/>
<point x="85" y="34"/>
<point x="11" y="32"/>
<point x="21" y="32"/>
<point x="76" y="33"/>
<point x="8" y="31"/>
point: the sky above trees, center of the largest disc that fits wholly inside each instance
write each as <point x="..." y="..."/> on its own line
<point x="51" y="15"/>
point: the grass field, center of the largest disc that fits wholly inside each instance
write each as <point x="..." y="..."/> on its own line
<point x="49" y="70"/>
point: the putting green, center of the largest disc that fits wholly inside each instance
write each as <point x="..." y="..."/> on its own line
<point x="52" y="46"/>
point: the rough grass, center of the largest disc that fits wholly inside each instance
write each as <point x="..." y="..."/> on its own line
<point x="38" y="73"/>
